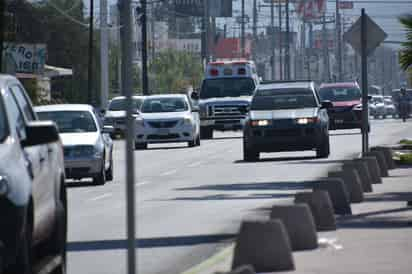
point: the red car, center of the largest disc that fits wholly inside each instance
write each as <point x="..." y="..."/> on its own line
<point x="346" y="98"/>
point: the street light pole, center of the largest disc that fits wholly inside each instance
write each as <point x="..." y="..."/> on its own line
<point x="272" y="36"/>
<point x="338" y="42"/>
<point x="242" y="39"/>
<point x="90" y="60"/>
<point x="287" y="46"/>
<point x="145" y="80"/>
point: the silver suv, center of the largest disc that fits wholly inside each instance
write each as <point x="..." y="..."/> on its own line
<point x="32" y="190"/>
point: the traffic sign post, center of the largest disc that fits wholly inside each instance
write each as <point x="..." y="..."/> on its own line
<point x="365" y="36"/>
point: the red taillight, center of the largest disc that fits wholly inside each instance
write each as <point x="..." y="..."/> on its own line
<point x="214" y="72"/>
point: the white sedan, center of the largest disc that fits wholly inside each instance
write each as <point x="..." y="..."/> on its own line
<point x="167" y="119"/>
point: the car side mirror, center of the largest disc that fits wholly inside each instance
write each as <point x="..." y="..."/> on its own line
<point x="108" y="129"/>
<point x="326" y="104"/>
<point x="40" y="133"/>
<point x="194" y="95"/>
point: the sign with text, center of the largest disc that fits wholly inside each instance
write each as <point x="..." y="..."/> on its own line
<point x="310" y="9"/>
<point x="346" y="5"/>
<point x="26" y="58"/>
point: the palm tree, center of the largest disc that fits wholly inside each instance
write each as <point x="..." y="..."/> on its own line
<point x="406" y="53"/>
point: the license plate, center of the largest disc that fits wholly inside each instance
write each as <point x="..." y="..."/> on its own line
<point x="163" y="131"/>
<point x="339" y="121"/>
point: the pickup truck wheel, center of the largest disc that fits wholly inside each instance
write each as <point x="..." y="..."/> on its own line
<point x="323" y="150"/>
<point x="24" y="260"/>
<point x="206" y="133"/>
<point x="109" y="172"/>
<point x="198" y="140"/>
<point x="57" y="244"/>
<point x="249" y="154"/>
<point x="100" y="178"/>
<point x="192" y="143"/>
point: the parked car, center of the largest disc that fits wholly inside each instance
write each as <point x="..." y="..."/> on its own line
<point x="286" y="116"/>
<point x="88" y="148"/>
<point x="115" y="115"/>
<point x="379" y="106"/>
<point x="346" y="98"/>
<point x="390" y="108"/>
<point x="33" y="199"/>
<point x="167" y="119"/>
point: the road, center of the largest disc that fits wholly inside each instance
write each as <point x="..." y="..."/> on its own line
<point x="190" y="201"/>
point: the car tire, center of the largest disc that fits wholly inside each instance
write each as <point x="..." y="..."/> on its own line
<point x="109" y="172"/>
<point x="323" y="150"/>
<point x="249" y="154"/>
<point x="198" y="140"/>
<point x="192" y="143"/>
<point x="206" y="133"/>
<point x="100" y="178"/>
<point x="383" y="116"/>
<point x="140" y="146"/>
<point x="23" y="264"/>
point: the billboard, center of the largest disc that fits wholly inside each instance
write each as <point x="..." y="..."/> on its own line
<point x="25" y="58"/>
<point x="310" y="9"/>
<point x="217" y="8"/>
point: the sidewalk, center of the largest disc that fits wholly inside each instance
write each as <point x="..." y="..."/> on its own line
<point x="377" y="238"/>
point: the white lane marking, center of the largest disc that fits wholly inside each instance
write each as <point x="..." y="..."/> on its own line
<point x="101" y="197"/>
<point x="141" y="183"/>
<point x="195" y="164"/>
<point x="167" y="173"/>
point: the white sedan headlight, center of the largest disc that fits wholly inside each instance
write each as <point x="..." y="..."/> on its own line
<point x="187" y="121"/>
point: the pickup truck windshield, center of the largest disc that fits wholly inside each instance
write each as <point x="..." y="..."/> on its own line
<point x="227" y="87"/>
<point x="70" y="121"/>
<point x="340" y="94"/>
<point x="3" y="123"/>
<point x="120" y="104"/>
<point x="283" y="99"/>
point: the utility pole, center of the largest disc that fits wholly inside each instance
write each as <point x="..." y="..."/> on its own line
<point x="280" y="41"/>
<point x="365" y="108"/>
<point x="338" y="43"/>
<point x="145" y="80"/>
<point x="254" y="29"/>
<point x="90" y="60"/>
<point x="287" y="48"/>
<point x="205" y="32"/>
<point x="272" y="36"/>
<point x="127" y="76"/>
<point x="104" y="55"/>
<point x="2" y="30"/>
<point x="325" y="45"/>
<point x="242" y="39"/>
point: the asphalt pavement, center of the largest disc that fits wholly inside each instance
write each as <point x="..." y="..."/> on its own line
<point x="190" y="201"/>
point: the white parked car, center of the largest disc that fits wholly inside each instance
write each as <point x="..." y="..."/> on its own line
<point x="389" y="106"/>
<point x="115" y="115"/>
<point x="167" y="119"/>
<point x="379" y="106"/>
<point x="88" y="148"/>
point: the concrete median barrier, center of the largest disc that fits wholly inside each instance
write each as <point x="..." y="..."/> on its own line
<point x="321" y="207"/>
<point x="299" y="224"/>
<point x="338" y="194"/>
<point x="388" y="156"/>
<point x="381" y="161"/>
<point x="363" y="172"/>
<point x="374" y="169"/>
<point x="352" y="181"/>
<point x="265" y="245"/>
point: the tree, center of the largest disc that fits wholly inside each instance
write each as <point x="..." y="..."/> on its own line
<point x="406" y="52"/>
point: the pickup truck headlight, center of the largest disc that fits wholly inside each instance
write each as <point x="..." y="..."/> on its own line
<point x="260" y="123"/>
<point x="306" y="120"/>
<point x="4" y="186"/>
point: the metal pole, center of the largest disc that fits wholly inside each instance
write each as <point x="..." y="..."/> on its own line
<point x="325" y="50"/>
<point x="90" y="60"/>
<point x="338" y="42"/>
<point x="364" y="60"/>
<point x="104" y="55"/>
<point x="254" y="27"/>
<point x="272" y="36"/>
<point x="280" y="41"/>
<point x="242" y="39"/>
<point x="145" y="80"/>
<point x="287" y="48"/>
<point x="130" y="130"/>
<point x="2" y="29"/>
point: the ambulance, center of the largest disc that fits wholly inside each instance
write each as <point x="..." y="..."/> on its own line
<point x="225" y="95"/>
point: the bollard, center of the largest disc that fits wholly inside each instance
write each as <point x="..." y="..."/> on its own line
<point x="321" y="207"/>
<point x="265" y="245"/>
<point x="387" y="152"/>
<point x="381" y="161"/>
<point x="351" y="179"/>
<point x="374" y="169"/>
<point x="299" y="224"/>
<point x="338" y="194"/>
<point x="363" y="172"/>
